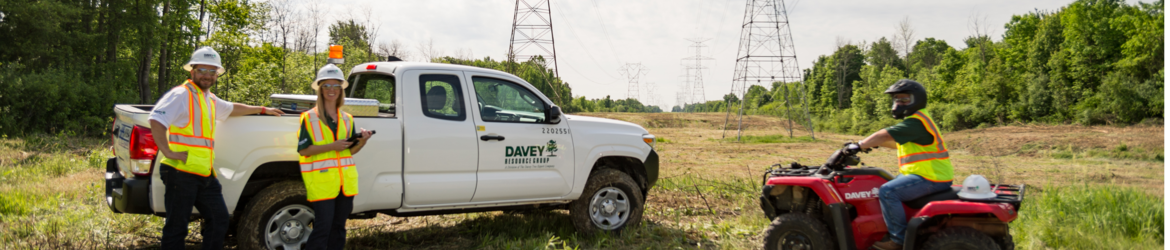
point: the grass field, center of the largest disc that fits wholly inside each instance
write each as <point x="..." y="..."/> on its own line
<point x="1091" y="188"/>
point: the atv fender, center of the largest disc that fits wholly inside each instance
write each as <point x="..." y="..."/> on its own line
<point x="1003" y="212"/>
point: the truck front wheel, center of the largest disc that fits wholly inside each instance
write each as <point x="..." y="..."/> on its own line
<point x="279" y="217"/>
<point x="611" y="202"/>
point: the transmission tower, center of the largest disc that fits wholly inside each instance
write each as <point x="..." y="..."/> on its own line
<point x="766" y="53"/>
<point x="532" y="34"/>
<point x="632" y="71"/>
<point x="696" y="63"/>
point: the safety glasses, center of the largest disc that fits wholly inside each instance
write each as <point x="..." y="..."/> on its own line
<point x="331" y="86"/>
<point x="206" y="71"/>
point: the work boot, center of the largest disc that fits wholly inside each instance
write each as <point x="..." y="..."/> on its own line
<point x="887" y="245"/>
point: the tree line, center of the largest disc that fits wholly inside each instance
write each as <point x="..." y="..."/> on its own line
<point x="1090" y="62"/>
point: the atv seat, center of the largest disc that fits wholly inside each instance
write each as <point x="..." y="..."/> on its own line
<point x="950" y="194"/>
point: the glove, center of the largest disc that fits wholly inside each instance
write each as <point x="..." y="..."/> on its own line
<point x="852" y="148"/>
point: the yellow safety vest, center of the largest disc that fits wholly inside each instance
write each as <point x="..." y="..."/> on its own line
<point x="929" y="161"/>
<point x="197" y="137"/>
<point x="327" y="172"/>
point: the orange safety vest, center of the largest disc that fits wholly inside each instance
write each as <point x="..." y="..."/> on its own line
<point x="929" y="161"/>
<point x="325" y="173"/>
<point x="197" y="137"/>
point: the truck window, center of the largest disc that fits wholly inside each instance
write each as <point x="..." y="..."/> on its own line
<point x="375" y="86"/>
<point x="442" y="97"/>
<point x="505" y="101"/>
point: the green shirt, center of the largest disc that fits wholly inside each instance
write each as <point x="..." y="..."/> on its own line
<point x="305" y="140"/>
<point x="910" y="130"/>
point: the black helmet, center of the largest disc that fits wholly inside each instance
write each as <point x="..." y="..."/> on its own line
<point x="917" y="95"/>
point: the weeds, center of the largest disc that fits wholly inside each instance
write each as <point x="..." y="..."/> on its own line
<point x="1090" y="217"/>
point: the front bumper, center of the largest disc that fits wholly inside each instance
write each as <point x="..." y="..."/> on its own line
<point x="651" y="165"/>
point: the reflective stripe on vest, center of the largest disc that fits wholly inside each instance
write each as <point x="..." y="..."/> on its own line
<point x="197" y="137"/>
<point x="332" y="172"/>
<point x="929" y="161"/>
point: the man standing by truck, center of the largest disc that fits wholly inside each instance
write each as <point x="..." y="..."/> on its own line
<point x="183" y="126"/>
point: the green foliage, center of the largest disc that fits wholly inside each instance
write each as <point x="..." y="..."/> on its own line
<point x="1092" y="62"/>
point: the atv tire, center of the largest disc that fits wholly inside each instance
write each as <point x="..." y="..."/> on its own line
<point x="961" y="238"/>
<point x="610" y="203"/>
<point x="279" y="217"/>
<point x="797" y="231"/>
<point x="1006" y="242"/>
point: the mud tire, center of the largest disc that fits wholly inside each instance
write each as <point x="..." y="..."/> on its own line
<point x="600" y="184"/>
<point x="961" y="238"/>
<point x="797" y="231"/>
<point x="253" y="226"/>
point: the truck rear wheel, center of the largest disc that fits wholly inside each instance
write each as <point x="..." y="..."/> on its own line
<point x="964" y="238"/>
<point x="611" y="202"/>
<point x="797" y="231"/>
<point x="279" y="217"/>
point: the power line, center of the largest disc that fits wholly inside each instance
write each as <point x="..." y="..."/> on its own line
<point x="584" y="48"/>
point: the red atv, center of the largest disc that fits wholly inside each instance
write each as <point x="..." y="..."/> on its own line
<point x="835" y="206"/>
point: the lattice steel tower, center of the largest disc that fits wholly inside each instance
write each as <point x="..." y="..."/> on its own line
<point x="632" y="71"/>
<point x="695" y="81"/>
<point x="532" y="34"/>
<point x="766" y="53"/>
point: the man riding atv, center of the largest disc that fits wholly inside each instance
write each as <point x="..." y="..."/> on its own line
<point x="922" y="158"/>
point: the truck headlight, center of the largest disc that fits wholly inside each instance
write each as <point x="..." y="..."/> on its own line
<point x="649" y="139"/>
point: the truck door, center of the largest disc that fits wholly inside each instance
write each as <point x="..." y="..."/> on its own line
<point x="441" y="145"/>
<point x="521" y="155"/>
<point x="380" y="162"/>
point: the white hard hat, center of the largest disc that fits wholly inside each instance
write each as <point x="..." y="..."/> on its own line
<point x="975" y="187"/>
<point x="328" y="72"/>
<point x="205" y="56"/>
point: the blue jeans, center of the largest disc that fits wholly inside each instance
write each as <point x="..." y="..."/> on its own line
<point x="184" y="191"/>
<point x="329" y="223"/>
<point x="904" y="188"/>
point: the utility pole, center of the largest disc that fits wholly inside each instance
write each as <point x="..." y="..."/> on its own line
<point x="532" y="35"/>
<point x="632" y="71"/>
<point x="766" y="52"/>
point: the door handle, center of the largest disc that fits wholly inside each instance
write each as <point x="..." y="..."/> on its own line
<point x="492" y="137"/>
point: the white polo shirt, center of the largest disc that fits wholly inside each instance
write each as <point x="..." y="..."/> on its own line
<point x="172" y="107"/>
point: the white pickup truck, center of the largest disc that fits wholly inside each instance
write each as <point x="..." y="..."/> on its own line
<point x="451" y="139"/>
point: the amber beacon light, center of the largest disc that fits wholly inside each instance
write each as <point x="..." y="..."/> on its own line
<point x="335" y="54"/>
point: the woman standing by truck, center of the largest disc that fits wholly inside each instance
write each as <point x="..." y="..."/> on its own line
<point x="327" y="166"/>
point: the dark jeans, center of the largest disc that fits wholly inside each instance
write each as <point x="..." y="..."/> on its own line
<point x="904" y="188"/>
<point x="329" y="223"/>
<point x="183" y="191"/>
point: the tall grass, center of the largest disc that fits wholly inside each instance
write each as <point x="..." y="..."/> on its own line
<point x="52" y="197"/>
<point x="1090" y="217"/>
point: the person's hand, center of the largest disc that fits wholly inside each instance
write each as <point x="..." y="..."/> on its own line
<point x="181" y="156"/>
<point x="271" y="111"/>
<point x="339" y="145"/>
<point x="365" y="135"/>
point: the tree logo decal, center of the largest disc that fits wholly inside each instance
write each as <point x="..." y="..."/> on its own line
<point x="551" y="148"/>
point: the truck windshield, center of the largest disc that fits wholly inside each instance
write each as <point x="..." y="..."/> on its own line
<point x="375" y="86"/>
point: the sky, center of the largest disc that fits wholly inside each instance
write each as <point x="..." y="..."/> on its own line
<point x="594" y="38"/>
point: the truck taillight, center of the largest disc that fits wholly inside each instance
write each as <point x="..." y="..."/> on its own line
<point x="142" y="151"/>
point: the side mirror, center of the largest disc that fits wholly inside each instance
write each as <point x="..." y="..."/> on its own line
<point x="553" y="115"/>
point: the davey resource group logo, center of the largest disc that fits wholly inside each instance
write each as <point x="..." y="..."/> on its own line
<point x="530" y="154"/>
